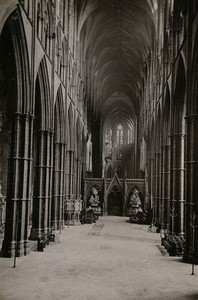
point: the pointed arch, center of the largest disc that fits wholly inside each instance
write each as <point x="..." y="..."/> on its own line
<point x="42" y="83"/>
<point x="71" y="132"/>
<point x="179" y="101"/>
<point x="166" y="116"/>
<point x="15" y="107"/>
<point x="6" y="11"/>
<point x="15" y="26"/>
<point x="59" y="119"/>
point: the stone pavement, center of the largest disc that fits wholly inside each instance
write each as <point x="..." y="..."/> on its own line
<point x="109" y="260"/>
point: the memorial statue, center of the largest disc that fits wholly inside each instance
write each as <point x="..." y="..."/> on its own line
<point x="94" y="202"/>
<point x="93" y="211"/>
<point x="94" y="199"/>
<point x="135" y="201"/>
<point x="135" y="211"/>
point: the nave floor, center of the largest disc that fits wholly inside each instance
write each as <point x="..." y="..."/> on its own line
<point x="109" y="260"/>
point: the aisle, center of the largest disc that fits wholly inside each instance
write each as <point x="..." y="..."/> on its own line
<point x="109" y="260"/>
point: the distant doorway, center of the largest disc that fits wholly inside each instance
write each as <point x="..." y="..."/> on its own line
<point x="115" y="202"/>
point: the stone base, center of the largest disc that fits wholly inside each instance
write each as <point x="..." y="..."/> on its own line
<point x="9" y="249"/>
<point x="57" y="225"/>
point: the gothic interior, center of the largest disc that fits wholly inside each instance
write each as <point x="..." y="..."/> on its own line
<point x="97" y="94"/>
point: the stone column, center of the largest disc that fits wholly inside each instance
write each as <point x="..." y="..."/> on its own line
<point x="191" y="186"/>
<point x="48" y="163"/>
<point x="159" y="188"/>
<point x="177" y="184"/>
<point x="72" y="173"/>
<point x="51" y="177"/>
<point x="75" y="176"/>
<point x="62" y="171"/>
<point x="166" y="186"/>
<point x="67" y="174"/>
<point x="19" y="187"/>
<point x="56" y="175"/>
<point x="78" y="178"/>
<point x="156" y="186"/>
<point x="58" y="191"/>
<point x="69" y="180"/>
<point x="41" y="215"/>
<point x="161" y="198"/>
<point x="151" y="185"/>
<point x="70" y="165"/>
<point x="153" y="176"/>
<point x="64" y="198"/>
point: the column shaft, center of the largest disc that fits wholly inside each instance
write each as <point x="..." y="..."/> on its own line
<point x="156" y="187"/>
<point x="19" y="187"/>
<point x="177" y="184"/>
<point x="42" y="185"/>
<point x="166" y="185"/>
<point x="191" y="187"/>
<point x="58" y="192"/>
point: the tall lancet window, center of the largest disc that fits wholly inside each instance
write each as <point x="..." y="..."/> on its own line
<point x="119" y="135"/>
<point x="108" y="142"/>
<point x="129" y="137"/>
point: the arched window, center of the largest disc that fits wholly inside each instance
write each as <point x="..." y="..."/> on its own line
<point x="108" y="142"/>
<point x="119" y="135"/>
<point x="129" y="137"/>
<point x="110" y="138"/>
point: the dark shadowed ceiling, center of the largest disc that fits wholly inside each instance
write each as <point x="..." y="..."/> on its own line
<point x="117" y="37"/>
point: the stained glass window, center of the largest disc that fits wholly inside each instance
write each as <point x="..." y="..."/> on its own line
<point x="119" y="135"/>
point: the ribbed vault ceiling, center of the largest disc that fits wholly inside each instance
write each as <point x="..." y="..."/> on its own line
<point x="117" y="36"/>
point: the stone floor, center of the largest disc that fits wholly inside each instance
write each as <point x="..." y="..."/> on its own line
<point x="109" y="260"/>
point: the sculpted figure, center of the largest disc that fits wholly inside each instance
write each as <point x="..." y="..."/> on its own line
<point x="135" y="201"/>
<point x="94" y="199"/>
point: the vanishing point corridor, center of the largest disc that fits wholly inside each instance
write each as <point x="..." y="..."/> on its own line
<point x="98" y="130"/>
<point x="109" y="260"/>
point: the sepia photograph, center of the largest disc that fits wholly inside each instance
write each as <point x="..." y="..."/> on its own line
<point x="99" y="149"/>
